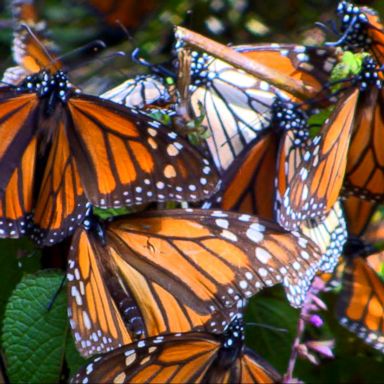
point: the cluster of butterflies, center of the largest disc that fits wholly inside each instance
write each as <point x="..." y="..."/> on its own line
<point x="273" y="199"/>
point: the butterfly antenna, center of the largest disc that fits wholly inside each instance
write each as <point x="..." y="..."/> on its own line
<point x="125" y="30"/>
<point x="155" y="68"/>
<point x="324" y="27"/>
<point x="344" y="36"/>
<point x="38" y="42"/>
<point x="94" y="46"/>
<point x="54" y="297"/>
<point x="101" y="59"/>
<point x="271" y="327"/>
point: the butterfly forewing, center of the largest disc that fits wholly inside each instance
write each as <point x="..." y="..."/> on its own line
<point x="184" y="270"/>
<point x="133" y="159"/>
<point x="316" y="184"/>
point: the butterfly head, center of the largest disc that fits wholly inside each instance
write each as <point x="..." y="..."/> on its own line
<point x="232" y="342"/>
<point x="52" y="87"/>
<point x="353" y="26"/>
<point x="370" y="74"/>
<point x="92" y="223"/>
<point x="287" y="116"/>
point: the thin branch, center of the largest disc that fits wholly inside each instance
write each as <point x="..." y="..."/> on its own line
<point x="238" y="60"/>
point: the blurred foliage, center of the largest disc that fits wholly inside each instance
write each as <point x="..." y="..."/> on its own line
<point x="73" y="25"/>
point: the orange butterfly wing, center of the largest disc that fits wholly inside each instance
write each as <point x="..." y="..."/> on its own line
<point x="17" y="130"/>
<point x="248" y="185"/>
<point x="365" y="169"/>
<point x="317" y="182"/>
<point x="17" y="200"/>
<point x="31" y="54"/>
<point x="125" y="158"/>
<point x="61" y="204"/>
<point x="182" y="358"/>
<point x="312" y="65"/>
<point x="94" y="317"/>
<point x="361" y="304"/>
<point x="184" y="269"/>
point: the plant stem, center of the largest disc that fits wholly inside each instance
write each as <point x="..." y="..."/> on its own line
<point x="238" y="60"/>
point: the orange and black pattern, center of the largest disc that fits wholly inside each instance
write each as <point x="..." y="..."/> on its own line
<point x="182" y="358"/>
<point x="178" y="271"/>
<point x="236" y="107"/>
<point x="315" y="186"/>
<point x="361" y="302"/>
<point x="362" y="30"/>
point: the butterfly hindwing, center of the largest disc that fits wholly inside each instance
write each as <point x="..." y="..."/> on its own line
<point x="361" y="304"/>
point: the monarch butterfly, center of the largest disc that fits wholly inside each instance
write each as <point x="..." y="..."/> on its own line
<point x="360" y="307"/>
<point x="249" y="184"/>
<point x="317" y="182"/>
<point x="362" y="30"/>
<point x="177" y="271"/>
<point x="182" y="358"/>
<point x="140" y="92"/>
<point x="236" y="107"/>
<point x="27" y="54"/>
<point x="84" y="148"/>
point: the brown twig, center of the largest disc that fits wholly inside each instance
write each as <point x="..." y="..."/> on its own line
<point x="276" y="78"/>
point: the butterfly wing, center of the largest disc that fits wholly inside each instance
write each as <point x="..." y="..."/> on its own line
<point x="94" y="315"/>
<point x="125" y="158"/>
<point x="231" y="250"/>
<point x="166" y="359"/>
<point x="365" y="169"/>
<point x="17" y="200"/>
<point x="361" y="304"/>
<point x="31" y="53"/>
<point x="248" y="185"/>
<point x="187" y="270"/>
<point x="329" y="234"/>
<point x="140" y="92"/>
<point x="316" y="184"/>
<point x="236" y="107"/>
<point x="182" y="358"/>
<point x="61" y="204"/>
<point x="312" y="65"/>
<point x="17" y="131"/>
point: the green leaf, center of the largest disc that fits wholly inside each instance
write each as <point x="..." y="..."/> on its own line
<point x="72" y="356"/>
<point x="350" y="65"/>
<point x="273" y="345"/>
<point x="33" y="336"/>
<point x="17" y="257"/>
<point x="111" y="212"/>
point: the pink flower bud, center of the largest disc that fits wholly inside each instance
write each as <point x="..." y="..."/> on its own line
<point x="323" y="348"/>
